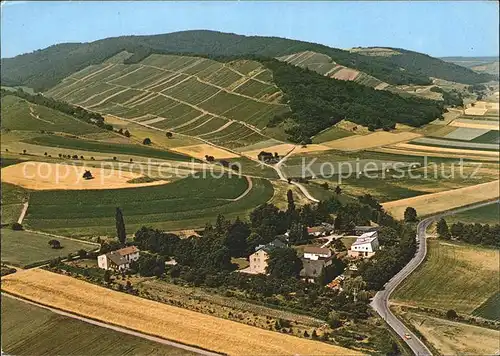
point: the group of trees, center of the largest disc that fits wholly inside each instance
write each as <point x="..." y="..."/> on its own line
<point x="318" y="102"/>
<point x="125" y="133"/>
<point x="478" y="234"/>
<point x="75" y="111"/>
<point x="399" y="248"/>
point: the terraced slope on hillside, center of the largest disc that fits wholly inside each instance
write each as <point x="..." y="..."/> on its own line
<point x="223" y="103"/>
<point x="325" y="65"/>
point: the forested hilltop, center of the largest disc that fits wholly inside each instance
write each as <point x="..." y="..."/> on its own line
<point x="43" y="69"/>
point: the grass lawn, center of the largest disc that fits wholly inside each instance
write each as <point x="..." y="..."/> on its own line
<point x="454" y="276"/>
<point x="21" y="248"/>
<point x="183" y="204"/>
<point x="12" y="199"/>
<point x="333" y="133"/>
<point x="106" y="147"/>
<point x="30" y="330"/>
<point x="489" y="309"/>
<point x="17" y="115"/>
<point x="489" y="214"/>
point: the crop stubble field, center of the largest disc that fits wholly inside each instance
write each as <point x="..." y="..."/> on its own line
<point x="157" y="319"/>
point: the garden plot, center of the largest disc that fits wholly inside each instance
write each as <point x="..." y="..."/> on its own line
<point x="428" y="141"/>
<point x="465" y="134"/>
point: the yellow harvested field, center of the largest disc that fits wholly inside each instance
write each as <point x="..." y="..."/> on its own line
<point x="416" y="152"/>
<point x="475" y="111"/>
<point x="353" y="127"/>
<point x="462" y="152"/>
<point x="199" y="151"/>
<point x="311" y="148"/>
<point x="376" y="139"/>
<point x="437" y="202"/>
<point x="51" y="176"/>
<point x="154" y="318"/>
<point x="472" y="124"/>
<point x="281" y="149"/>
<point x="453" y="338"/>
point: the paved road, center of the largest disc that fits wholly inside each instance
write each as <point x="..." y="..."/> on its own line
<point x="117" y="328"/>
<point x="381" y="300"/>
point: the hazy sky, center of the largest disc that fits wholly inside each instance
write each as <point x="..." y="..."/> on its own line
<point x="446" y="28"/>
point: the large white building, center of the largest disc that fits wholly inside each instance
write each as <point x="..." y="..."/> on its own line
<point x="118" y="260"/>
<point x="365" y="245"/>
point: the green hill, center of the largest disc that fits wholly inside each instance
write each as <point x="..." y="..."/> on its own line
<point x="43" y="69"/>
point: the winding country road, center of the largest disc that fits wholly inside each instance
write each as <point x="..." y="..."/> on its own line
<point x="381" y="300"/>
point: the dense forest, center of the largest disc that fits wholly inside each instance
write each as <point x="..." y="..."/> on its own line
<point x="318" y="102"/>
<point x="43" y="69"/>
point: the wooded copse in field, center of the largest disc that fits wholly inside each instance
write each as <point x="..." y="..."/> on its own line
<point x="477" y="234"/>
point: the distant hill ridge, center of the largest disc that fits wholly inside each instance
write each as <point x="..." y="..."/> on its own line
<point x="43" y="69"/>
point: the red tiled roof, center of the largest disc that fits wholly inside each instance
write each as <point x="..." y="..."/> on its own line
<point x="127" y="250"/>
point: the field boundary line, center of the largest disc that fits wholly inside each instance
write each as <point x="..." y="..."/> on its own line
<point x="63" y="237"/>
<point x="121" y="329"/>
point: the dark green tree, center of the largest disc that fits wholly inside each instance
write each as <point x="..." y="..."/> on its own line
<point x="120" y="227"/>
<point x="442" y="229"/>
<point x="283" y="263"/>
<point x="291" y="203"/>
<point x="410" y="214"/>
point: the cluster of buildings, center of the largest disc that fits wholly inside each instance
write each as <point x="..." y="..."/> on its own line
<point x="315" y="259"/>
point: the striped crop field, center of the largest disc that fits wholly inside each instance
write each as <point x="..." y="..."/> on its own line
<point x="172" y="323"/>
<point x="168" y="91"/>
<point x="29" y="330"/>
<point x="187" y="203"/>
<point x="454" y="276"/>
<point x="437" y="142"/>
<point x="465" y="134"/>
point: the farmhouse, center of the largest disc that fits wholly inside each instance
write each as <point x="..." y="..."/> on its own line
<point x="258" y="260"/>
<point x="360" y="230"/>
<point x="268" y="157"/>
<point x="118" y="260"/>
<point x="315" y="259"/>
<point x="315" y="253"/>
<point x="321" y="230"/>
<point x="365" y="245"/>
